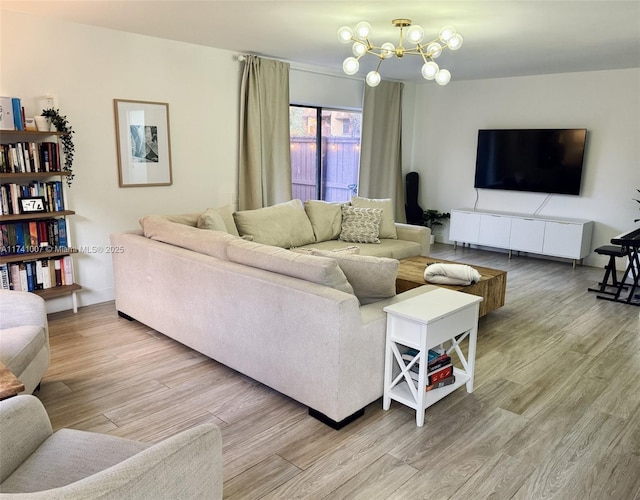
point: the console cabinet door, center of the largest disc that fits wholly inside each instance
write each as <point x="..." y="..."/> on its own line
<point x="562" y="239"/>
<point x="464" y="227"/>
<point x="527" y="235"/>
<point x="495" y="230"/>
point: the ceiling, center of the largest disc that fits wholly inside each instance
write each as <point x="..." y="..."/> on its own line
<point x="501" y="38"/>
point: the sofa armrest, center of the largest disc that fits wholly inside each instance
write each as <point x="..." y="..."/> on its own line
<point x="419" y="234"/>
<point x="21" y="308"/>
<point x="24" y="426"/>
<point x="187" y="465"/>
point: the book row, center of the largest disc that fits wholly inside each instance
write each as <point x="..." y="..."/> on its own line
<point x="38" y="274"/>
<point x="439" y="368"/>
<point x="24" y="157"/>
<point x="11" y="193"/>
<point x="46" y="235"/>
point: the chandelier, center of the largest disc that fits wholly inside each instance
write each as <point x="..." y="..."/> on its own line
<point x="414" y="34"/>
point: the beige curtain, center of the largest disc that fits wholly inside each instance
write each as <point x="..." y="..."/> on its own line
<point x="265" y="158"/>
<point x="381" y="153"/>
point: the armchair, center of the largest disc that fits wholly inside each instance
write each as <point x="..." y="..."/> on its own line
<point x="71" y="464"/>
<point x="24" y="336"/>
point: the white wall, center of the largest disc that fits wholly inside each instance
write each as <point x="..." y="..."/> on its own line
<point x="607" y="103"/>
<point x="86" y="68"/>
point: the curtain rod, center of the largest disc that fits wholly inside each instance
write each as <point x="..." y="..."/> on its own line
<point x="304" y="68"/>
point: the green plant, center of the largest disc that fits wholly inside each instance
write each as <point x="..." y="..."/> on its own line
<point x="62" y="125"/>
<point x="432" y="218"/>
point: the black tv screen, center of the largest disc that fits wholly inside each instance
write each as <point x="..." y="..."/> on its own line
<point x="537" y="160"/>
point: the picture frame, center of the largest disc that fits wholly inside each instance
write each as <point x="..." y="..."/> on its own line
<point x="143" y="143"/>
<point x="32" y="204"/>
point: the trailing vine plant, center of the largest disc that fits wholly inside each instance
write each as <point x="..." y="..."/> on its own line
<point x="61" y="124"/>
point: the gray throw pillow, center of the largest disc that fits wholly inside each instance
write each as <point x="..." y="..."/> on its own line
<point x="360" y="225"/>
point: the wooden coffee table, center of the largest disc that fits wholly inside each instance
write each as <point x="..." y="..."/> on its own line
<point x="491" y="287"/>
<point x="9" y="383"/>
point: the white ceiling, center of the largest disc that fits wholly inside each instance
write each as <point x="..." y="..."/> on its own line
<point x="501" y="38"/>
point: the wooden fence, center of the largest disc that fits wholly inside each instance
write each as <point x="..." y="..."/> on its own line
<point x="339" y="168"/>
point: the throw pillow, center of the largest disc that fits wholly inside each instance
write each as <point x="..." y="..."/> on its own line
<point x="360" y="225"/>
<point x="284" y="225"/>
<point x="372" y="278"/>
<point x="218" y="219"/>
<point x="211" y="220"/>
<point x="325" y="217"/>
<point x="387" y="223"/>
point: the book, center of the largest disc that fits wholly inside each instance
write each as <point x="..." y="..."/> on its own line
<point x="17" y="113"/>
<point x="441" y="383"/>
<point x="4" y="277"/>
<point x="6" y="114"/>
<point x="434" y="376"/>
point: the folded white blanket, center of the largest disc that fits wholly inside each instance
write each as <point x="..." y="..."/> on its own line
<point x="451" y="274"/>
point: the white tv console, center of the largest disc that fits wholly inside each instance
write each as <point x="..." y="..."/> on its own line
<point x="551" y="236"/>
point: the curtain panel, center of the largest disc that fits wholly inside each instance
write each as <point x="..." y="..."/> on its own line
<point x="264" y="177"/>
<point x="381" y="151"/>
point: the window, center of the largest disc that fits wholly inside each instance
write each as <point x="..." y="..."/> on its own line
<point x="325" y="162"/>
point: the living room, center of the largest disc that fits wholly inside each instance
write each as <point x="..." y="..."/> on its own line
<point x="86" y="67"/>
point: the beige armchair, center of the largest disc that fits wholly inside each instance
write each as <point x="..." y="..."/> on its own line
<point x="24" y="336"/>
<point x="71" y="464"/>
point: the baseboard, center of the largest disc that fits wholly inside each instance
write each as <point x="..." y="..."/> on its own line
<point x="332" y="423"/>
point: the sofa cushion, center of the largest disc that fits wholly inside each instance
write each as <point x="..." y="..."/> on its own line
<point x="282" y="261"/>
<point x="20" y="345"/>
<point x="212" y="243"/>
<point x="218" y="219"/>
<point x="284" y="225"/>
<point x="387" y="222"/>
<point x="360" y="225"/>
<point x="325" y="217"/>
<point x="372" y="278"/>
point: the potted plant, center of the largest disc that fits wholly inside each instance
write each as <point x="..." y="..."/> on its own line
<point x="432" y="219"/>
<point x="61" y="124"/>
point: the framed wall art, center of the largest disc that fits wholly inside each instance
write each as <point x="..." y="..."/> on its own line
<point x="143" y="141"/>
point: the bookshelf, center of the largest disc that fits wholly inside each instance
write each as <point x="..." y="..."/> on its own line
<point x="36" y="251"/>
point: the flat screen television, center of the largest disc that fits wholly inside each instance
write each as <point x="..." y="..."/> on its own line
<point x="537" y="160"/>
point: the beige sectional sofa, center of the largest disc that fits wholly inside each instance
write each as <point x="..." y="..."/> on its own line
<point x="308" y="323"/>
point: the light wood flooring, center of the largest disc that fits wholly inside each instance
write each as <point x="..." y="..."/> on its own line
<point x="555" y="413"/>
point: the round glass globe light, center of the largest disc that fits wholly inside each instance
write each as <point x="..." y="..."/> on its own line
<point x="434" y="50"/>
<point x="373" y="78"/>
<point x="359" y="48"/>
<point x="388" y="49"/>
<point x="350" y="66"/>
<point x="344" y="34"/>
<point x="415" y="34"/>
<point x="429" y="70"/>
<point x="455" y="42"/>
<point x="446" y="32"/>
<point x="363" y="29"/>
<point x="443" y="77"/>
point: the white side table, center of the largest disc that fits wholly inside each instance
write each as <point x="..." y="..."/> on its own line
<point x="439" y="317"/>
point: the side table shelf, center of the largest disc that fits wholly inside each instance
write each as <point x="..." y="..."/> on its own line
<point x="440" y="317"/>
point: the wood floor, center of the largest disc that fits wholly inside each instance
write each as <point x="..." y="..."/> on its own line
<point x="555" y="413"/>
